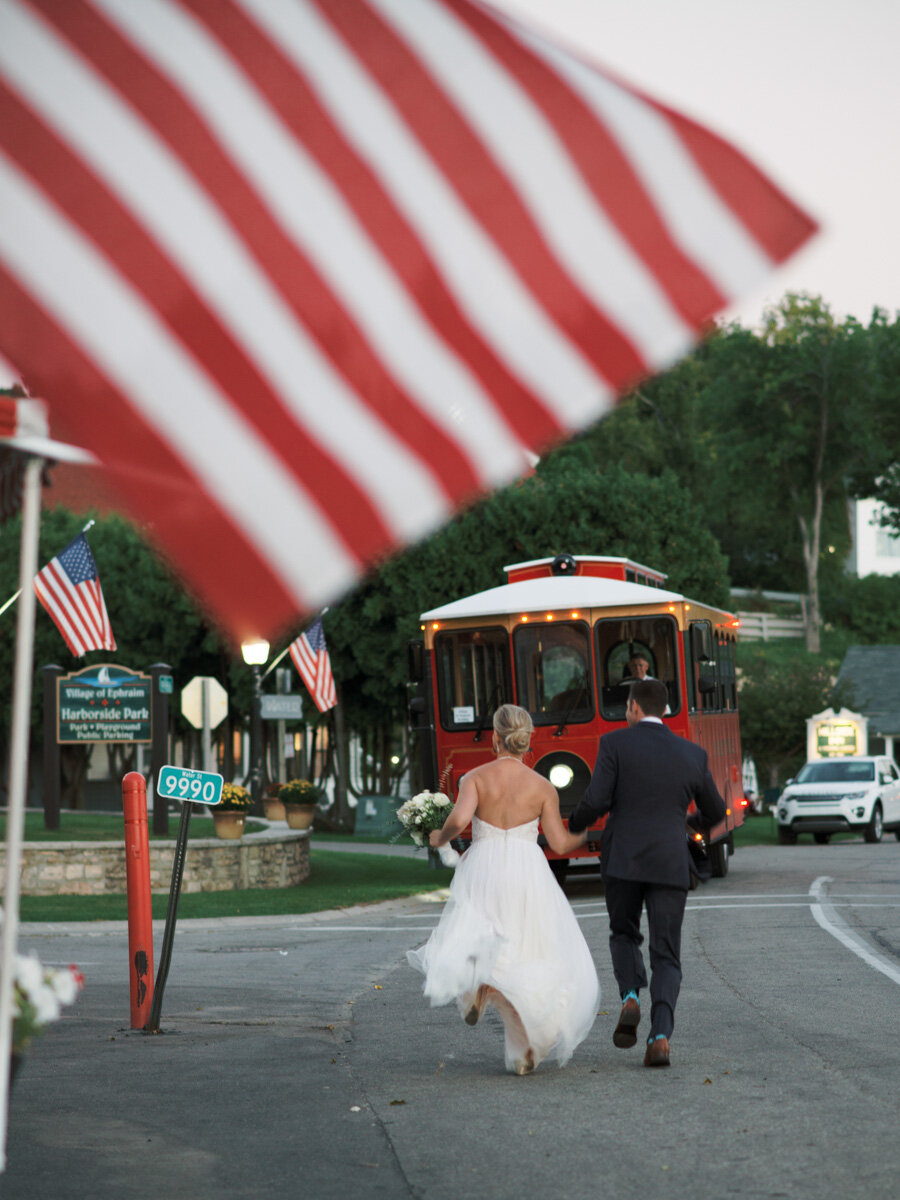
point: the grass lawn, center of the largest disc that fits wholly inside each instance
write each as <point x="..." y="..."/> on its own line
<point x="337" y="880"/>
<point x="106" y="827"/>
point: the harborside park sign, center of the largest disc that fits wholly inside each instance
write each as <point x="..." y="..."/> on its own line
<point x="104" y="703"/>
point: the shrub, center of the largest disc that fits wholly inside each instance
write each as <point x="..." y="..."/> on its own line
<point x="299" y="791"/>
<point x="235" y="798"/>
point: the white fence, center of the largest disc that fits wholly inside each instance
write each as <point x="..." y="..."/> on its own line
<point x="764" y="627"/>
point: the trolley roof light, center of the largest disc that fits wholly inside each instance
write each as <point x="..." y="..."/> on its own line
<point x="564" y="564"/>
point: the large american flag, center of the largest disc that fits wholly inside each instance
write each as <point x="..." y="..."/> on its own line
<point x="309" y="655"/>
<point x="69" y="589"/>
<point x="306" y="275"/>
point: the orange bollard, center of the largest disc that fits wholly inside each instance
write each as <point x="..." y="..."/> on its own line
<point x="137" y="883"/>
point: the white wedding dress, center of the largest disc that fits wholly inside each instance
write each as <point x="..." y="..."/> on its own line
<point x="508" y="926"/>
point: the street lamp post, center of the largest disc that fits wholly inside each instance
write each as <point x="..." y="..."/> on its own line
<point x="255" y="655"/>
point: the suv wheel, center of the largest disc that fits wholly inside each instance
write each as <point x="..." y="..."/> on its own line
<point x="875" y="827"/>
<point x="786" y="836"/>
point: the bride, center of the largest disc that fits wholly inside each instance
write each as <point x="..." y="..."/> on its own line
<point x="507" y="935"/>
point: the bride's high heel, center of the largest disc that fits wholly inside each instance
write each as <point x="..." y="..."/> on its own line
<point x="525" y="1066"/>
<point x="481" y="999"/>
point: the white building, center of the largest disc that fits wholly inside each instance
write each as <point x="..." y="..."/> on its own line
<point x="875" y="550"/>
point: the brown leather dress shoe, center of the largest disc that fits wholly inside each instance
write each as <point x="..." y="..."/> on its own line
<point x="657" y="1054"/>
<point x="625" y="1034"/>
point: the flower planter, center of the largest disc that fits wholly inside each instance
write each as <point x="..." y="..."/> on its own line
<point x="229" y="824"/>
<point x="274" y="810"/>
<point x="299" y="816"/>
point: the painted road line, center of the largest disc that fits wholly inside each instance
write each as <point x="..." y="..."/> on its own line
<point x="823" y="910"/>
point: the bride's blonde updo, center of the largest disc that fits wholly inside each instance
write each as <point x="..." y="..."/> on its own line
<point x="513" y="727"/>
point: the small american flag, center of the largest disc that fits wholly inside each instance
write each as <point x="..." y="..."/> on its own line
<point x="69" y="589"/>
<point x="310" y="656"/>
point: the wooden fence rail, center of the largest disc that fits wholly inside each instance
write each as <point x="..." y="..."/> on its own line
<point x="760" y="626"/>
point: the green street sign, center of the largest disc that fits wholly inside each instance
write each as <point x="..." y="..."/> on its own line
<point x="181" y="783"/>
<point x="165" y="685"/>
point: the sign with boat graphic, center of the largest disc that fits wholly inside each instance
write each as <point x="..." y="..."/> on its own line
<point x="103" y="703"/>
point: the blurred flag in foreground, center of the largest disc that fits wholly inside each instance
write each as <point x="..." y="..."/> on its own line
<point x="69" y="589"/>
<point x="307" y="276"/>
<point x="309" y="655"/>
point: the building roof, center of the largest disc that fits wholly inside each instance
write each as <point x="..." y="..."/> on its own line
<point x="869" y="683"/>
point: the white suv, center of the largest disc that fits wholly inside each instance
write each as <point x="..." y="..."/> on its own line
<point x="834" y="795"/>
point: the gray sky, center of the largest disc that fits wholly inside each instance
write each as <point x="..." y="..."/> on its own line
<point x="808" y="89"/>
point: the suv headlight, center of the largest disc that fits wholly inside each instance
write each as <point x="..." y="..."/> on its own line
<point x="855" y="795"/>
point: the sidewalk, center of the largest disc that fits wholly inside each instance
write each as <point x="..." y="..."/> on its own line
<point x="396" y="849"/>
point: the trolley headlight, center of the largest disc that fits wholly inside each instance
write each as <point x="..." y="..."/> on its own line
<point x="568" y="773"/>
<point x="561" y="776"/>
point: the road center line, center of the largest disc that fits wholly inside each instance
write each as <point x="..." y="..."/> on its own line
<point x="824" y="912"/>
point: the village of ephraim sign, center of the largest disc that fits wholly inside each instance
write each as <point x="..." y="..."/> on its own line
<point x="103" y="703"/>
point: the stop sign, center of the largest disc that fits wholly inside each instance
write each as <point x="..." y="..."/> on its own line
<point x="192" y="701"/>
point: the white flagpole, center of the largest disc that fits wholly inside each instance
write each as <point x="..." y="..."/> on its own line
<point x="18" y="774"/>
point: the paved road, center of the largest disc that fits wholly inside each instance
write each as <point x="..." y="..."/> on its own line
<point x="300" y="1060"/>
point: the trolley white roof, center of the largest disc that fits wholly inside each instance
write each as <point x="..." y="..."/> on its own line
<point x="551" y="593"/>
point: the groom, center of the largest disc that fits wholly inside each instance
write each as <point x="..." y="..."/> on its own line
<point x="645" y="777"/>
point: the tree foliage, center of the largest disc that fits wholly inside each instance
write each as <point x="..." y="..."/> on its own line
<point x="777" y="695"/>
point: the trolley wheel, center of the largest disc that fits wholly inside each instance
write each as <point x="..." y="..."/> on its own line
<point x="875" y="827"/>
<point x="821" y="839"/>
<point x="786" y="836"/>
<point x="718" y="859"/>
<point x="560" y="868"/>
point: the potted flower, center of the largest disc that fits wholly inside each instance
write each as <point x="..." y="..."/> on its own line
<point x="231" y="813"/>
<point x="272" y="806"/>
<point x="39" y="994"/>
<point x="299" y="798"/>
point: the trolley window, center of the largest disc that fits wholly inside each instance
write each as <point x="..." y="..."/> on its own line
<point x="553" y="672"/>
<point x="473" y="675"/>
<point x="621" y="645"/>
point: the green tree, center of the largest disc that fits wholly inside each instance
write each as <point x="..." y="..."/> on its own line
<point x="777" y="694"/>
<point x="798" y="403"/>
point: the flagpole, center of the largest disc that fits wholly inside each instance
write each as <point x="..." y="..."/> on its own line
<point x="274" y="663"/>
<point x="14" y="597"/>
<point x="18" y="774"/>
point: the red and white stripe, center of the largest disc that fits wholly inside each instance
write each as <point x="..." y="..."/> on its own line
<point x="307" y="276"/>
<point x="77" y="610"/>
<point x="315" y="671"/>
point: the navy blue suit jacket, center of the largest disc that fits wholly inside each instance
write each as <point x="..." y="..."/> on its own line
<point x="645" y="777"/>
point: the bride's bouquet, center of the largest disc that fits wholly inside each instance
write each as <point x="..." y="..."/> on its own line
<point x="423" y="813"/>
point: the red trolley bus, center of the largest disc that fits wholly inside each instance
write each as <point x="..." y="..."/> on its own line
<point x="557" y="639"/>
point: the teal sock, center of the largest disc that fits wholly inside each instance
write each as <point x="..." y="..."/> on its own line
<point x="632" y="995"/>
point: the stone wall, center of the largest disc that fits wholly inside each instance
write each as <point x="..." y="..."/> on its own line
<point x="258" y="860"/>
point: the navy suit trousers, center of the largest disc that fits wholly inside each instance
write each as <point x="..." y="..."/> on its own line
<point x="665" y="912"/>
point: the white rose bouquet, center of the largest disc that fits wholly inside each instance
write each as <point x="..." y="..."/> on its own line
<point x="421" y="814"/>
<point x="39" y="995"/>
